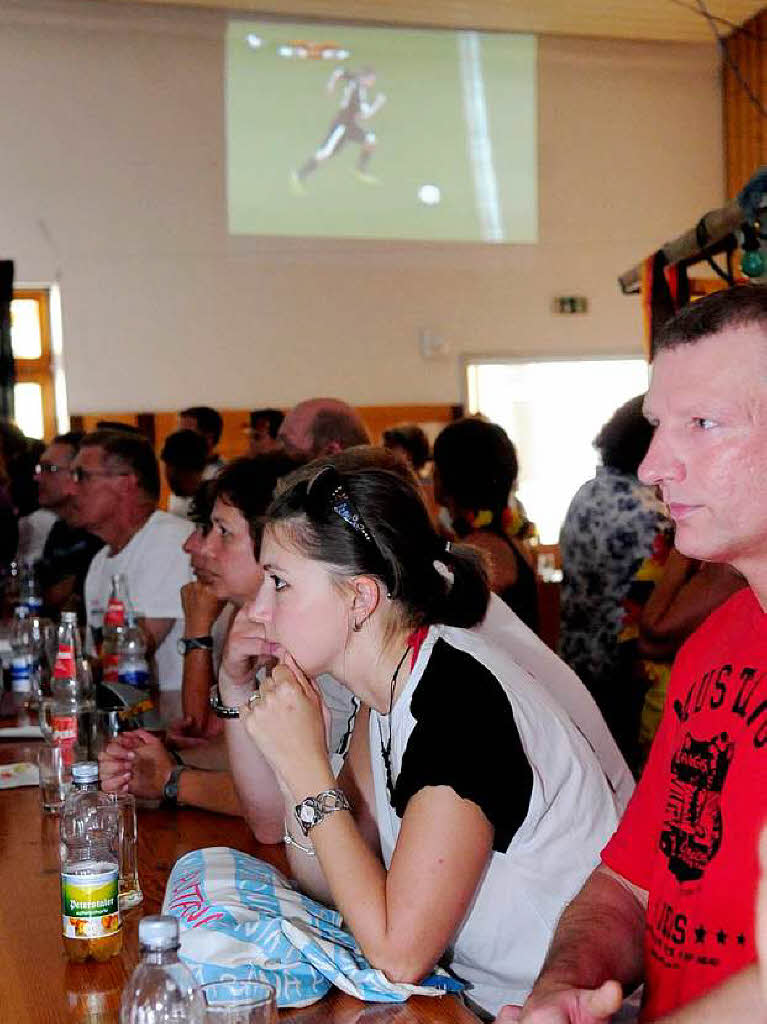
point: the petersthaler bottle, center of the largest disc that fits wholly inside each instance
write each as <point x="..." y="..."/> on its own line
<point x="90" y="872"/>
<point x="65" y="717"/>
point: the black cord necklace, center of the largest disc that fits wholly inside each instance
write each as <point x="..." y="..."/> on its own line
<point x="386" y="747"/>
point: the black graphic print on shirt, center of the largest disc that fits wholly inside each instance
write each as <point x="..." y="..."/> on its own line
<point x="691" y="833"/>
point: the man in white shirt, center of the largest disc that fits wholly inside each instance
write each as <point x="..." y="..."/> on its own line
<point x="118" y="486"/>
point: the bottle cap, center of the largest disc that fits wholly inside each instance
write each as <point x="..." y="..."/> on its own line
<point x="70" y="617"/>
<point x="85" y="771"/>
<point x="159" y="931"/>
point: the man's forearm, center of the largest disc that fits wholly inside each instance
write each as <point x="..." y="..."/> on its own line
<point x="598" y="938"/>
<point x="736" y="1001"/>
<point x="210" y="790"/>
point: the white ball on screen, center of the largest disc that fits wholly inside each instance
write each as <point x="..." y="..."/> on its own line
<point x="429" y="195"/>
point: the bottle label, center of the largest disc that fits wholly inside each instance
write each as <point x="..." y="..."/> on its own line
<point x="135" y="675"/>
<point x="89" y="904"/>
<point x="109" y="664"/>
<point x="64" y="735"/>
<point x="21" y="673"/>
<point x="115" y="613"/>
<point x="64" y="667"/>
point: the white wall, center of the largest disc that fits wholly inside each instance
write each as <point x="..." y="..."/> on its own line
<point x="113" y="155"/>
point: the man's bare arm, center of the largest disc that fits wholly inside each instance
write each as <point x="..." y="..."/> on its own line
<point x="596" y="949"/>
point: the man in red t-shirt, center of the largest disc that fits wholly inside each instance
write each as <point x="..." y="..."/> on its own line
<point x="672" y="903"/>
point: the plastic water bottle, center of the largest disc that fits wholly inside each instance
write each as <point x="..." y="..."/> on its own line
<point x="90" y="870"/>
<point x="132" y="666"/>
<point x="114" y="628"/>
<point x="161" y="990"/>
<point x="29" y="591"/>
<point x="24" y="664"/>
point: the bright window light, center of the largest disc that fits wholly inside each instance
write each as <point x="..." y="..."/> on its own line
<point x="28" y="409"/>
<point x="26" y="339"/>
<point x="552" y="411"/>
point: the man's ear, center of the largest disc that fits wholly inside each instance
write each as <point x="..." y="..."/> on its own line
<point x="366" y="598"/>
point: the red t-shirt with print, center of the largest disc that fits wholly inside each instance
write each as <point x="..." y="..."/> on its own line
<point x="689" y="834"/>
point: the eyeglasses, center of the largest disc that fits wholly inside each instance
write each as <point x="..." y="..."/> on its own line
<point x="49" y="467"/>
<point x="81" y="475"/>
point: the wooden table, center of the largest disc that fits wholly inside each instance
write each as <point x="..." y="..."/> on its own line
<point x="39" y="986"/>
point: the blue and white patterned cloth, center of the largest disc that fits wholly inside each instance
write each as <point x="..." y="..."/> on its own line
<point x="240" y="919"/>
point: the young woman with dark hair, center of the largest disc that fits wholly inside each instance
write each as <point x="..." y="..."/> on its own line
<point x="470" y="808"/>
<point x="475" y="473"/>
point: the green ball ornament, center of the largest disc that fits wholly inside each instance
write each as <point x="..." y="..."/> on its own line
<point x="752" y="263"/>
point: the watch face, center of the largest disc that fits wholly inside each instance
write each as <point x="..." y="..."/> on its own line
<point x="181" y="646"/>
<point x="308" y="814"/>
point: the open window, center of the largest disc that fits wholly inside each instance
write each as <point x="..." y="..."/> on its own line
<point x="552" y="410"/>
<point x="34" y="399"/>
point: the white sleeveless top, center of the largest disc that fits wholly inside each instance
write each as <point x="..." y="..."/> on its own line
<point x="499" y="948"/>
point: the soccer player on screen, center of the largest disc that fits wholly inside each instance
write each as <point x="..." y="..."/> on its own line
<point x="355" y="107"/>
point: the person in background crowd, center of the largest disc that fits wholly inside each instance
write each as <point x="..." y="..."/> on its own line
<point x="685" y="595"/>
<point x="118" y="486"/>
<point x="208" y="423"/>
<point x="359" y="584"/>
<point x="35" y="521"/>
<point x="410" y="442"/>
<point x="12" y="443"/>
<point x="125" y="428"/>
<point x="262" y="430"/>
<point x="614" y="543"/>
<point x="321" y="426"/>
<point x="185" y="456"/>
<point x="475" y="473"/>
<point x="67" y="550"/>
<point x="673" y="901"/>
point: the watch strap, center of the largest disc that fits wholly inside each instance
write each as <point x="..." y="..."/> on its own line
<point x="219" y="709"/>
<point x="170" y="789"/>
<point x="195" y="643"/>
<point x="314" y="809"/>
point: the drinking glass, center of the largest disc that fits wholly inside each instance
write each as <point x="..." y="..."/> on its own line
<point x="239" y="1002"/>
<point x="130" y="894"/>
<point x="105" y="726"/>
<point x="55" y="778"/>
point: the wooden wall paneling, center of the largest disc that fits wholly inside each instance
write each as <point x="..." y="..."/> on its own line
<point x="744" y="125"/>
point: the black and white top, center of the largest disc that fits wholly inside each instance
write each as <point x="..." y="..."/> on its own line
<point x="470" y="717"/>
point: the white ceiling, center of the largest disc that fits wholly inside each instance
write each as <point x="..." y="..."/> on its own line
<point x="668" y="20"/>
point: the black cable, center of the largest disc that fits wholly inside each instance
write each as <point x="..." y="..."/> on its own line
<point x="721" y="21"/>
<point x="702" y="237"/>
<point x="734" y="66"/>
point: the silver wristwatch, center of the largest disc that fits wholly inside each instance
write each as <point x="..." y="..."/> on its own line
<point x="313" y="809"/>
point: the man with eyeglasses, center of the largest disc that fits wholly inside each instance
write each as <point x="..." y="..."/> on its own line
<point x="117" y="487"/>
<point x="67" y="550"/>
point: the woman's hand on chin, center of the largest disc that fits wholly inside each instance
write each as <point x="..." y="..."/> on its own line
<point x="245" y="651"/>
<point x="287" y="719"/>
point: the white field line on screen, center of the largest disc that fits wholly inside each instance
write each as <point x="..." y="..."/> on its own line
<point x="478" y="137"/>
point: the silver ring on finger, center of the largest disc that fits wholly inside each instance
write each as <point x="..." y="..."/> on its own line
<point x="254" y="698"/>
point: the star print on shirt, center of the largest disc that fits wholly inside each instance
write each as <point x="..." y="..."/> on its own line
<point x="700" y="934"/>
<point x="721" y="937"/>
